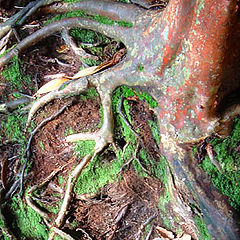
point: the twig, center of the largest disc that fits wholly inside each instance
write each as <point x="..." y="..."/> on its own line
<point x="10" y="106"/>
<point x="149" y="233"/>
<point x="62" y="233"/>
<point x="88" y="236"/>
<point x="124" y="148"/>
<point x="143" y="225"/>
<point x="27" y="152"/>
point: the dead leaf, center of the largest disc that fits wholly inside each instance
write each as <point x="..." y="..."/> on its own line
<point x="164" y="233"/>
<point x="85" y="72"/>
<point x="63" y="49"/>
<point x="53" y="76"/>
<point x="50" y="86"/>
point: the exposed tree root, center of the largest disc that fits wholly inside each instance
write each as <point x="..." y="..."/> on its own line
<point x="113" y="10"/>
<point x="21" y="16"/>
<point x="75" y="87"/>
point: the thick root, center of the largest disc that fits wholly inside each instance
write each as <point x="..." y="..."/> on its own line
<point x="114" y="10"/>
<point x="111" y="31"/>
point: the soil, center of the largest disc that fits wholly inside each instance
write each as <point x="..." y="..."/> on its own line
<point x="121" y="209"/>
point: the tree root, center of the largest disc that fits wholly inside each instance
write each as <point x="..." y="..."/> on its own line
<point x="22" y="15"/>
<point x="114" y="10"/>
<point x="27" y="152"/>
<point x="74" y="87"/>
<point x="111" y="31"/>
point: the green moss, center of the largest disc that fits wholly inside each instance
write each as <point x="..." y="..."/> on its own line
<point x="96" y="175"/>
<point x="202" y="227"/>
<point x="2" y="226"/>
<point x="12" y="127"/>
<point x="14" y="76"/>
<point x="98" y="18"/>
<point x="27" y="223"/>
<point x="155" y="131"/>
<point x="60" y="180"/>
<point x="82" y="148"/>
<point x="89" y="94"/>
<point x="229" y="159"/>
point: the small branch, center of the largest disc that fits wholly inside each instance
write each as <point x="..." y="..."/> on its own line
<point x="143" y="225"/>
<point x="88" y="236"/>
<point x="22" y="15"/>
<point x="10" y="106"/>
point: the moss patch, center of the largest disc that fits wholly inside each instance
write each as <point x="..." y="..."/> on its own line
<point x="14" y="76"/>
<point x="229" y="158"/>
<point x="27" y="223"/>
<point x="202" y="227"/>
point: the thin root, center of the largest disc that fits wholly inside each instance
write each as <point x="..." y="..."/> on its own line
<point x="27" y="152"/>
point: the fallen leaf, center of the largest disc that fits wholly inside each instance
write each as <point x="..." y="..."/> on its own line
<point x="53" y="76"/>
<point x="164" y="233"/>
<point x="51" y="85"/>
<point x="85" y="72"/>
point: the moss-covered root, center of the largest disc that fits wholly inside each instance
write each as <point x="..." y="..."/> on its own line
<point x="73" y="88"/>
<point x="114" y="10"/>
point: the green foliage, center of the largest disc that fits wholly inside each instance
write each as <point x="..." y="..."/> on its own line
<point x="27" y="222"/>
<point x="14" y="76"/>
<point x="229" y="159"/>
<point x="202" y="227"/>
